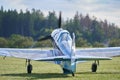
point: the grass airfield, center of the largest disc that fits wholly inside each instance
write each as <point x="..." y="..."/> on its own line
<point x="15" y="69"/>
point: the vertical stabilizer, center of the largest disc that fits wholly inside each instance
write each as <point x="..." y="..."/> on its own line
<point x="73" y="62"/>
<point x="73" y="44"/>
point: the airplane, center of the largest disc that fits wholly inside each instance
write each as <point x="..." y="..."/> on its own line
<point x="63" y="53"/>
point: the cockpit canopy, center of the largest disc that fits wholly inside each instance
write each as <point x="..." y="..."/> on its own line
<point x="63" y="41"/>
<point x="64" y="37"/>
<point x="60" y="35"/>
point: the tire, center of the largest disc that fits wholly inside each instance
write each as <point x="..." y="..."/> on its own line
<point x="29" y="69"/>
<point x="94" y="67"/>
<point x="73" y="74"/>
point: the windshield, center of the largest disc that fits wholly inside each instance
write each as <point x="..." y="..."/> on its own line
<point x="65" y="43"/>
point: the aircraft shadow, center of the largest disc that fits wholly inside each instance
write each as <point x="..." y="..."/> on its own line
<point x="51" y="75"/>
<point x="37" y="75"/>
<point x="98" y="73"/>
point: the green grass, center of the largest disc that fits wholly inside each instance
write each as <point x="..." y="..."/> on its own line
<point x="15" y="69"/>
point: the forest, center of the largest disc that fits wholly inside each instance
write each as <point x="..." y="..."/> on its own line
<point x="23" y="29"/>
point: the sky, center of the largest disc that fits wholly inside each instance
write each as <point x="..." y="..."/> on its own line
<point x="101" y="9"/>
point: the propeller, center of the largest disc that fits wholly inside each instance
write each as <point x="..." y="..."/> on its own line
<point x="45" y="38"/>
<point x="59" y="21"/>
<point x="49" y="36"/>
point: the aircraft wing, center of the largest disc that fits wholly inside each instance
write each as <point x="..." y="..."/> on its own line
<point x="97" y="53"/>
<point x="33" y="54"/>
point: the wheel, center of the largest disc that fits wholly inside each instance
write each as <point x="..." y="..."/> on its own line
<point x="73" y="74"/>
<point x="94" y="67"/>
<point x="29" y="69"/>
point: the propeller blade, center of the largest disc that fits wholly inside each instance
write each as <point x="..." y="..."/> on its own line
<point x="59" y="21"/>
<point x="49" y="36"/>
<point x="45" y="38"/>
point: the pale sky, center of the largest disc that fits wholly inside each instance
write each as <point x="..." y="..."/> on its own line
<point x="102" y="9"/>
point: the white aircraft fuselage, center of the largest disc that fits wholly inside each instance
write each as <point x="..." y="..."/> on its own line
<point x="66" y="45"/>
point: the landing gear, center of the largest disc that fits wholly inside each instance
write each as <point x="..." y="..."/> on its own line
<point x="94" y="67"/>
<point x="29" y="67"/>
<point x="73" y="74"/>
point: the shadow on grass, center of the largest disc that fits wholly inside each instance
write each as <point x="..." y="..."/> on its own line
<point x="98" y="73"/>
<point x="51" y="75"/>
<point x="38" y="75"/>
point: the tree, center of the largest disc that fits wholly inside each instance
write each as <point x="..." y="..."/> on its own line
<point x="98" y="44"/>
<point x="82" y="43"/>
<point x="34" y="24"/>
<point x="38" y="23"/>
<point x="18" y="41"/>
<point x="114" y="43"/>
<point x="46" y="43"/>
<point x="52" y="21"/>
<point x="97" y="33"/>
<point x="3" y="42"/>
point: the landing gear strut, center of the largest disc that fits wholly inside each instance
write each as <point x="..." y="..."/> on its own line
<point x="29" y="67"/>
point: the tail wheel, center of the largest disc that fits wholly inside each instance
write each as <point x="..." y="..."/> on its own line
<point x="94" y="67"/>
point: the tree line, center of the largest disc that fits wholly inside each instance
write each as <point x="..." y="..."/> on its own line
<point x="32" y="25"/>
